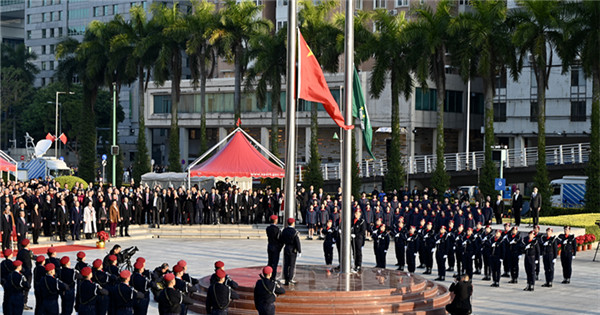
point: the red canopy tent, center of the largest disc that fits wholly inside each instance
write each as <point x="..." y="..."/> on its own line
<point x="6" y="165"/>
<point x="238" y="159"/>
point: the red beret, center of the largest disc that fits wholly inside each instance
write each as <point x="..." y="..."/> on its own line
<point x="65" y="260"/>
<point x="125" y="274"/>
<point x="86" y="271"/>
<point x="451" y="221"/>
<point x="51" y="250"/>
<point x="182" y="263"/>
<point x="97" y="263"/>
<point x="221" y="273"/>
<point x="471" y="229"/>
<point x="169" y="277"/>
<point x="141" y="259"/>
<point x="49" y="267"/>
<point x="17" y="263"/>
<point x="80" y="255"/>
<point x="112" y="257"/>
<point x="138" y="265"/>
<point x="219" y="264"/>
<point x="291" y="220"/>
<point x="267" y="270"/>
<point x="25" y="242"/>
<point x="7" y="252"/>
<point x="178" y="269"/>
<point x="273" y="217"/>
<point x="40" y="259"/>
<point x="443" y="226"/>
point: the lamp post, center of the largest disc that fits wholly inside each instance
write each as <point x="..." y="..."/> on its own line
<point x="56" y="123"/>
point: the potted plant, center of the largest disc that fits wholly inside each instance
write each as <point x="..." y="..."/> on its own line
<point x="102" y="238"/>
<point x="559" y="249"/>
<point x="591" y="238"/>
<point x="580" y="240"/>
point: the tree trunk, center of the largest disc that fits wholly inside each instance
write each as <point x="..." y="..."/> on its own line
<point x="440" y="179"/>
<point x="592" y="193"/>
<point x="87" y="158"/>
<point x="394" y="178"/>
<point x="489" y="170"/>
<point x="141" y="164"/>
<point x="237" y="95"/>
<point x="174" y="154"/>
<point x="541" y="176"/>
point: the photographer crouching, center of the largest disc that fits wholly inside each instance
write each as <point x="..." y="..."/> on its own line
<point x="462" y="289"/>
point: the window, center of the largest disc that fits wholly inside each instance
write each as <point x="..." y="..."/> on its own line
<point x="79" y="14"/>
<point x="425" y="99"/>
<point x="97" y="11"/>
<point x="51" y="32"/>
<point x="28" y="34"/>
<point x="115" y="8"/>
<point x="533" y="79"/>
<point x="57" y="16"/>
<point x="28" y="18"/>
<point x="578" y="111"/>
<point x="499" y="112"/>
<point x="577" y="77"/>
<point x="402" y="3"/>
<point x="76" y="30"/>
<point x="43" y="65"/>
<point x="533" y="112"/>
<point x="378" y="4"/>
<point x="51" y="65"/>
<point x="281" y="24"/>
<point x="43" y="33"/>
<point x="162" y="104"/>
<point x="43" y="17"/>
<point x="43" y="81"/>
<point x="358" y="4"/>
<point x="51" y="49"/>
<point x="43" y="49"/>
<point x="281" y="3"/>
<point x="477" y="103"/>
<point x="60" y="32"/>
<point x="501" y="80"/>
<point x="105" y="10"/>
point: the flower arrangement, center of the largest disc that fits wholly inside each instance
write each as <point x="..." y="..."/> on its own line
<point x="102" y="236"/>
<point x="589" y="238"/>
<point x="580" y="240"/>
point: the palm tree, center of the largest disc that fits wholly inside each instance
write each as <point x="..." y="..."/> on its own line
<point x="536" y="33"/>
<point x="172" y="38"/>
<point x="391" y="52"/>
<point x="429" y="36"/>
<point x="20" y="58"/>
<point x="269" y="52"/>
<point x="485" y="48"/>
<point x="239" y="22"/>
<point x="201" y="24"/>
<point x="582" y="29"/>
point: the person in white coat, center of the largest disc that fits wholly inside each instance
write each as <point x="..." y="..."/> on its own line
<point x="89" y="220"/>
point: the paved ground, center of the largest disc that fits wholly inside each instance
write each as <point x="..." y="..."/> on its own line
<point x="582" y="296"/>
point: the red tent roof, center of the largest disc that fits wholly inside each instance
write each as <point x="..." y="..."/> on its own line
<point x="7" y="166"/>
<point x="238" y="159"/>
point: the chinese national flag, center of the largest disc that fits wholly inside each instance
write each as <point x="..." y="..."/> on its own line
<point x="63" y="138"/>
<point x="312" y="85"/>
<point x="50" y="137"/>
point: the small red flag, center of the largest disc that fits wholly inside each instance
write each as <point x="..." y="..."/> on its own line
<point x="239" y="122"/>
<point x="50" y="137"/>
<point x="313" y="86"/>
<point x="63" y="138"/>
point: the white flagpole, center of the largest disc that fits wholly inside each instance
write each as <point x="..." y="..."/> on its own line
<point x="290" y="125"/>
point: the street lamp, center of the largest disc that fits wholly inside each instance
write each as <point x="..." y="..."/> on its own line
<point x="56" y="124"/>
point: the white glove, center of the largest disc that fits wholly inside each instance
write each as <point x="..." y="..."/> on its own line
<point x="415" y="254"/>
<point x="573" y="257"/>
<point x="500" y="260"/>
<point x="445" y="256"/>
<point x="520" y="256"/>
<point x="554" y="260"/>
<point x="332" y="245"/>
<point x="352" y="235"/>
<point x="385" y="251"/>
<point x="536" y="261"/>
<point x="433" y="250"/>
<point x="405" y="247"/>
<point x="299" y="255"/>
<point x="473" y="257"/>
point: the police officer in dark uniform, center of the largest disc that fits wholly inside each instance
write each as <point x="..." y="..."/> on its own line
<point x="382" y="244"/>
<point x="6" y="266"/>
<point x="291" y="241"/>
<point x="110" y="265"/>
<point x="441" y="252"/>
<point x="50" y="287"/>
<point x="458" y="250"/>
<point x="87" y="293"/>
<point x="497" y="247"/>
<point x="68" y="276"/>
<point x="549" y="251"/>
<point x="219" y="295"/>
<point x="567" y="253"/>
<point x="182" y="286"/>
<point x="170" y="300"/>
<point x="428" y="244"/>
<point x="357" y="235"/>
<point x="532" y="252"/>
<point x="14" y="287"/>
<point x="80" y="261"/>
<point x="274" y="245"/>
<point x="106" y="281"/>
<point x="140" y="280"/>
<point x="470" y="248"/>
<point x="219" y="265"/>
<point x="122" y="295"/>
<point x="399" y="244"/>
<point x="38" y="273"/>
<point x="52" y="259"/>
<point x="332" y="238"/>
<point x="266" y="291"/>
<point x="25" y="255"/>
<point x="513" y="247"/>
<point x="485" y="251"/>
<point x="412" y="249"/>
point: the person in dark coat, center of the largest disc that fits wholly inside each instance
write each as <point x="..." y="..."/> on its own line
<point x="14" y="288"/>
<point x="125" y="212"/>
<point x="219" y="295"/>
<point x="170" y="299"/>
<point x="123" y="296"/>
<point x="50" y="288"/>
<point x="106" y="281"/>
<point x="274" y="245"/>
<point x="535" y="205"/>
<point x="26" y="257"/>
<point x="498" y="207"/>
<point x="291" y="241"/>
<point x="517" y="206"/>
<point x="266" y="291"/>
<point x="48" y="213"/>
<point x="76" y="219"/>
<point x="382" y="244"/>
<point x="21" y="228"/>
<point x="6" y="227"/>
<point x="531" y="251"/>
<point x="38" y="273"/>
<point x="485" y="252"/>
<point x="441" y="252"/>
<point x="69" y="277"/>
<point x="567" y="253"/>
<point x="88" y="293"/>
<point x="462" y="289"/>
<point x="6" y="266"/>
<point x="412" y="248"/>
<point x="36" y="223"/>
<point x="140" y="280"/>
<point x="331" y="240"/>
<point x="496" y="255"/>
<point x="549" y="252"/>
<point x="513" y="249"/>
<point x="357" y="237"/>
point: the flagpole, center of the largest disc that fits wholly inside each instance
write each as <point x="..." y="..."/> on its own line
<point x="347" y="136"/>
<point x="290" y="125"/>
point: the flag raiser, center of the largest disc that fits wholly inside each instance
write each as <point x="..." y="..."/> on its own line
<point x="312" y="85"/>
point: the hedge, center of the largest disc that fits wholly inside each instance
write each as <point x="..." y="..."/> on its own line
<point x="71" y="180"/>
<point x="564" y="211"/>
<point x="586" y="220"/>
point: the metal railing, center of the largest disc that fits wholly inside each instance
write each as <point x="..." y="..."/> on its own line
<point x="555" y="155"/>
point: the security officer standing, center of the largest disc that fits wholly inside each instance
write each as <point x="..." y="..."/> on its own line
<point x="25" y="255"/>
<point x="15" y="286"/>
<point x="122" y="295"/>
<point x="496" y="254"/>
<point x="441" y="252"/>
<point x="140" y="280"/>
<point x="106" y="281"/>
<point x="532" y="252"/>
<point x="266" y="291"/>
<point x="38" y="273"/>
<point x="219" y="295"/>
<point x="412" y="249"/>
<point x="428" y="245"/>
<point x="291" y="241"/>
<point x="470" y="248"/>
<point x="567" y="253"/>
<point x="6" y="266"/>
<point x="399" y="244"/>
<point x="170" y="300"/>
<point x="68" y="276"/>
<point x="549" y="251"/>
<point x="274" y="245"/>
<point x="50" y="287"/>
<point x="182" y="286"/>
<point x="357" y="235"/>
<point x="332" y="237"/>
<point x="513" y="247"/>
<point x="382" y="244"/>
<point x="87" y="293"/>
<point x="485" y="238"/>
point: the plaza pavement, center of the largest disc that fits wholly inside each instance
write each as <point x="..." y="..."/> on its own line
<point x="582" y="296"/>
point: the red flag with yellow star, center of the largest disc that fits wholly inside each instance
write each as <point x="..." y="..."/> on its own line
<point x="312" y="85"/>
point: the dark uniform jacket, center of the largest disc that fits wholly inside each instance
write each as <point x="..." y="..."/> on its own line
<point x="170" y="300"/>
<point x="265" y="292"/>
<point x="358" y="230"/>
<point x="289" y="238"/>
<point x="218" y="298"/>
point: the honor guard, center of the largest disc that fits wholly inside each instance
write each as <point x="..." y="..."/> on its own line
<point x="50" y="288"/>
<point x="332" y="238"/>
<point x="68" y="276"/>
<point x="291" y="242"/>
<point x="478" y="233"/>
<point x="549" y="252"/>
<point x="87" y="293"/>
<point x="170" y="300"/>
<point x="183" y="286"/>
<point x="141" y="282"/>
<point x="274" y="245"/>
<point x="106" y="281"/>
<point x="111" y="266"/>
<point x="412" y="249"/>
<point x="186" y="276"/>
<point x="568" y="248"/>
<point x="441" y="252"/>
<point x="14" y="287"/>
<point x="52" y="259"/>
<point x="122" y="295"/>
<point x="25" y="255"/>
<point x="451" y="237"/>
<point x="428" y="245"/>
<point x="6" y="267"/>
<point x="513" y="247"/>
<point x="497" y="248"/>
<point x="531" y="250"/>
<point x="38" y="273"/>
<point x="219" y="295"/>
<point x="458" y="250"/>
<point x="470" y="248"/>
<point x="538" y="237"/>
<point x="506" y="262"/>
<point x="399" y="244"/>
<point x="219" y="265"/>
<point x="357" y="235"/>
<point x="80" y="262"/>
<point x="382" y="244"/>
<point x="486" y="252"/>
<point x="266" y="291"/>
